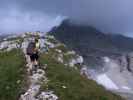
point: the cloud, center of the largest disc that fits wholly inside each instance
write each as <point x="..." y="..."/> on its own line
<point x="110" y="16"/>
<point x="16" y="21"/>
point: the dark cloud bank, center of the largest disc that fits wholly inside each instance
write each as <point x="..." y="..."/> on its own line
<point x="110" y="16"/>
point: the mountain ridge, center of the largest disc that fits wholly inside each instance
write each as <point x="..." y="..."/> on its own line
<point x="88" y="41"/>
<point x="84" y="33"/>
<point x="59" y="74"/>
<point x="109" y="56"/>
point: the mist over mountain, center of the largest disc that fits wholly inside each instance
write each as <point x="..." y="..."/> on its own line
<point x="91" y="37"/>
<point x="91" y="43"/>
<point x="108" y="57"/>
<point x="19" y="22"/>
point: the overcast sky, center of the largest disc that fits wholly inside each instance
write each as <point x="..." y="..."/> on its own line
<point x="110" y="16"/>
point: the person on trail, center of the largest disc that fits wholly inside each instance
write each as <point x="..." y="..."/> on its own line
<point x="33" y="51"/>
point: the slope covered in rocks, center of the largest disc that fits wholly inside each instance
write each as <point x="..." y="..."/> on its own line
<point x="58" y="77"/>
<point x="108" y="57"/>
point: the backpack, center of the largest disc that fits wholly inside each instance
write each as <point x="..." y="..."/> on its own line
<point x="30" y="48"/>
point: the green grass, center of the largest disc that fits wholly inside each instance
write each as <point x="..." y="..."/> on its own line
<point x="11" y="74"/>
<point x="78" y="87"/>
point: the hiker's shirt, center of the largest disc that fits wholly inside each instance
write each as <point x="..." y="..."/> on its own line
<point x="37" y="47"/>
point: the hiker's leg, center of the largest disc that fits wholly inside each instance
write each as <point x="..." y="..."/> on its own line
<point x="35" y="62"/>
<point x="31" y="59"/>
<point x="36" y="58"/>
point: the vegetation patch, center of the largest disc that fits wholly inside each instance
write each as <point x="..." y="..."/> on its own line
<point x="68" y="84"/>
<point x="11" y="74"/>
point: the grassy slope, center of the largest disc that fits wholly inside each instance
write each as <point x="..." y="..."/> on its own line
<point x="11" y="74"/>
<point x="78" y="87"/>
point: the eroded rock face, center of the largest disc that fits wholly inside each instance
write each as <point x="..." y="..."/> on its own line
<point x="130" y="62"/>
<point x="126" y="62"/>
<point x="9" y="45"/>
<point x="78" y="60"/>
<point x="123" y="63"/>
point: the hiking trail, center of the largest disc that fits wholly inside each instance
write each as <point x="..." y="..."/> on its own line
<point x="36" y="79"/>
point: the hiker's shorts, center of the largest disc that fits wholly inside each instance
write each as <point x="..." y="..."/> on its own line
<point x="34" y="57"/>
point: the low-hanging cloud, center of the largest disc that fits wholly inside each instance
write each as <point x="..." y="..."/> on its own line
<point x="110" y="16"/>
<point x="16" y="21"/>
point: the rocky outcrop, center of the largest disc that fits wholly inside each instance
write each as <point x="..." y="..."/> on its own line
<point x="126" y="62"/>
<point x="122" y="61"/>
<point x="78" y="60"/>
<point x="130" y="62"/>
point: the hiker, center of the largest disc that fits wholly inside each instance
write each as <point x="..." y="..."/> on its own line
<point x="33" y="51"/>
